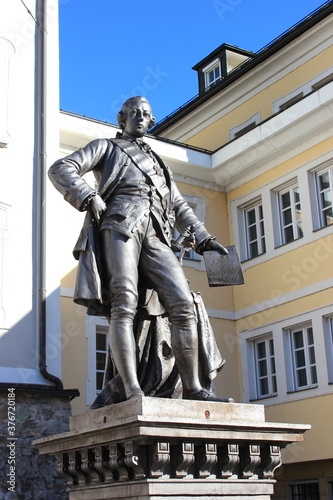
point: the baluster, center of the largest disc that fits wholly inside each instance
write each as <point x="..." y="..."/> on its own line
<point x="160" y="459"/>
<point x="114" y="459"/>
<point x="62" y="468"/>
<point x="74" y="467"/>
<point x="251" y="461"/>
<point x="229" y="462"/>
<point x="271" y="460"/>
<point x="102" y="463"/>
<point x="207" y="458"/>
<point x="184" y="459"/>
<point x="134" y="459"/>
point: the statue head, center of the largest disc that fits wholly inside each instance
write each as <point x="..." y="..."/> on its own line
<point x="135" y="116"/>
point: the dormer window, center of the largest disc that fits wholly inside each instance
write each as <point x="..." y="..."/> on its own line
<point x="212" y="73"/>
<point x="216" y="66"/>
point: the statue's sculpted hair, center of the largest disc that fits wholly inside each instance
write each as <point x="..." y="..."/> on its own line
<point x="122" y="115"/>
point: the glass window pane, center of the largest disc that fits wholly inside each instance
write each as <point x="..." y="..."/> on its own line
<point x="310" y="336"/>
<point x="288" y="234"/>
<point x="263" y="245"/>
<point x="264" y="387"/>
<point x="100" y="360"/>
<point x="314" y="375"/>
<point x="298" y="339"/>
<point x="262" y="368"/>
<point x="326" y="199"/>
<point x="261" y="350"/>
<point x="251" y="217"/>
<point x="252" y="233"/>
<point x="262" y="229"/>
<point x="99" y="380"/>
<point x="287" y="217"/>
<point x="296" y="195"/>
<point x="300" y="358"/>
<point x="301" y="378"/>
<point x="100" y="341"/>
<point x="328" y="217"/>
<point x="324" y="181"/>
<point x="254" y="249"/>
<point x="312" y="355"/>
<point x="261" y="215"/>
<point x="285" y="200"/>
<point x="271" y="347"/>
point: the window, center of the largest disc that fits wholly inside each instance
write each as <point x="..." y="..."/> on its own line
<point x="101" y="351"/>
<point x="328" y="337"/>
<point x="291" y="101"/>
<point x="198" y="205"/>
<point x="303" y="357"/>
<point x="243" y="128"/>
<point x="290" y="214"/>
<point x="309" y="491"/>
<point x="255" y="231"/>
<point x="212" y="73"/>
<point x="324" y="184"/>
<point x="265" y="367"/>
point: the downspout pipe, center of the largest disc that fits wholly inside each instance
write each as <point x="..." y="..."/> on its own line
<point x="40" y="158"/>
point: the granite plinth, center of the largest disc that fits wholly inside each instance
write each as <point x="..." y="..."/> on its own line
<point x="152" y="448"/>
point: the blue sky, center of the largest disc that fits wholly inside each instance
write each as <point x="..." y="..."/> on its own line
<point x="111" y="50"/>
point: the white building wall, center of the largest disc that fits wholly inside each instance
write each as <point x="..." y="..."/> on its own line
<point x="18" y="324"/>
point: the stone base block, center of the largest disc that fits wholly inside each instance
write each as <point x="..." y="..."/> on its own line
<point x="151" y="448"/>
<point x="172" y="489"/>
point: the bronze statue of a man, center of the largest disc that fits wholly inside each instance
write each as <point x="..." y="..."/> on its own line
<point x="126" y="239"/>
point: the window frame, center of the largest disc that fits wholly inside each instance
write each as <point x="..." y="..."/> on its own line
<point x="297" y="231"/>
<point x="244" y="127"/>
<point x="320" y="208"/>
<point x="260" y="229"/>
<point x="100" y="330"/>
<point x="208" y="69"/>
<point x="328" y="339"/>
<point x="295" y="369"/>
<point x="271" y="373"/>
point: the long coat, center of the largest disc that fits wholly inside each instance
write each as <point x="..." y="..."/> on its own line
<point x="109" y="161"/>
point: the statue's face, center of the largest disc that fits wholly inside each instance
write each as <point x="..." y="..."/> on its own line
<point x="138" y="118"/>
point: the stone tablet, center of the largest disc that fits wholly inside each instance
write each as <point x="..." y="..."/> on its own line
<point x="223" y="270"/>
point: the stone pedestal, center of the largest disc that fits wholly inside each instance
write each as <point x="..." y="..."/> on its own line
<point x="151" y="448"/>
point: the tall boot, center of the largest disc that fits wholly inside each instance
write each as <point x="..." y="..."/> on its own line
<point x="123" y="347"/>
<point x="186" y="350"/>
<point x="184" y="341"/>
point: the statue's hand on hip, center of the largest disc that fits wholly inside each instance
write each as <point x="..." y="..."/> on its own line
<point x="97" y="206"/>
